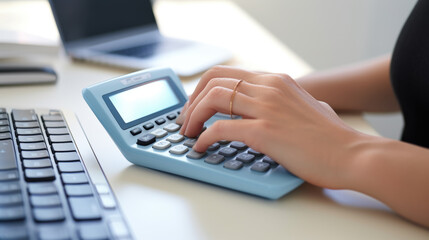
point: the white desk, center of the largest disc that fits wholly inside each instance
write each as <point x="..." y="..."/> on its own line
<point x="163" y="206"/>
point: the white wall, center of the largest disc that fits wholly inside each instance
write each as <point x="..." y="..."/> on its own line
<point x="329" y="33"/>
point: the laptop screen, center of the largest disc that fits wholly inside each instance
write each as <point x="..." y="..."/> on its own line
<point x="82" y="19"/>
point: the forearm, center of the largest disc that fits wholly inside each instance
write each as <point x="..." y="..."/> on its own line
<point x="361" y="87"/>
<point x="394" y="172"/>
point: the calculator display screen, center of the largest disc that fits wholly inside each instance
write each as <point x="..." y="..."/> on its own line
<point x="143" y="100"/>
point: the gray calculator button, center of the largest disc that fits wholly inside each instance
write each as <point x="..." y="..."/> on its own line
<point x="171" y="116"/>
<point x="195" y="155"/>
<point x="146" y="139"/>
<point x="172" y="127"/>
<point x="161" y="145"/>
<point x="223" y="142"/>
<point x="245" y="157"/>
<point x="214" y="159"/>
<point x="179" y="149"/>
<point x="256" y="153"/>
<point x="190" y="142"/>
<point x="148" y="126"/>
<point x="160" y="121"/>
<point x="233" y="164"/>
<point x="175" y="138"/>
<point x="135" y="131"/>
<point x="159" y="133"/>
<point x="238" y="145"/>
<point x="228" y="152"/>
<point x="260" y="167"/>
<point x="269" y="161"/>
<point x="213" y="147"/>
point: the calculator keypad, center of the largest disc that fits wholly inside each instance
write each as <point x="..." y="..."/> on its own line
<point x="234" y="155"/>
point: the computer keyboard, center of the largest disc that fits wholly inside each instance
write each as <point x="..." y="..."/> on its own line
<point x="46" y="189"/>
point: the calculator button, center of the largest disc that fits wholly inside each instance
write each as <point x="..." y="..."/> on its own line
<point x="260" y="167"/>
<point x="171" y="116"/>
<point x="190" y="142"/>
<point x="162" y="145"/>
<point x="228" y="152"/>
<point x="270" y="161"/>
<point x="245" y="157"/>
<point x="135" y="131"/>
<point x="159" y="133"/>
<point x="146" y="139"/>
<point x="148" y="126"/>
<point x="256" y="153"/>
<point x="214" y="159"/>
<point x="172" y="127"/>
<point x="179" y="149"/>
<point x="213" y="147"/>
<point x="195" y="155"/>
<point x="233" y="164"/>
<point x="175" y="138"/>
<point x="223" y="142"/>
<point x="160" y="121"/>
<point x="238" y="145"/>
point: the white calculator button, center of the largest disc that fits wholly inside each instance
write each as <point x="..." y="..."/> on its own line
<point x="175" y="138"/>
<point x="172" y="127"/>
<point x="161" y="145"/>
<point x="179" y="149"/>
<point x="159" y="133"/>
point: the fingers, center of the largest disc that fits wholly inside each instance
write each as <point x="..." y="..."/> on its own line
<point x="237" y="130"/>
<point x="217" y="100"/>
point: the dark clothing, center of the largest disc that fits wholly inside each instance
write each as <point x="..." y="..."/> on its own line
<point x="410" y="75"/>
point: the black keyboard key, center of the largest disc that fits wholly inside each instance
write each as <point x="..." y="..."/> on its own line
<point x="148" y="126"/>
<point x="32" y="146"/>
<point x="238" y="145"/>
<point x="49" y="118"/>
<point x="9" y="187"/>
<point x="4" y="129"/>
<point x="53" y="214"/>
<point x="78" y="190"/>
<point x="35" y="154"/>
<point x="13" y="231"/>
<point x="146" y="139"/>
<point x="245" y="158"/>
<point x="66" y="156"/>
<point x="28" y="131"/>
<point x="42" y="188"/>
<point x="63" y="147"/>
<point x="214" y="159"/>
<point x="260" y="167"/>
<point x="10" y="199"/>
<point x="11" y="213"/>
<point x="55" y="124"/>
<point x="3" y="116"/>
<point x="228" y="152"/>
<point x="27" y="124"/>
<point x="54" y="232"/>
<point x="9" y="175"/>
<point x="24" y="115"/>
<point x="4" y="123"/>
<point x="70" y="167"/>
<point x="74" y="178"/>
<point x="59" y="138"/>
<point x="135" y="131"/>
<point x="57" y="131"/>
<point x="160" y="121"/>
<point x="4" y="136"/>
<point x="39" y="174"/>
<point x="52" y="200"/>
<point x="93" y="231"/>
<point x="84" y="208"/>
<point x="37" y="163"/>
<point x="7" y="155"/>
<point x="30" y="139"/>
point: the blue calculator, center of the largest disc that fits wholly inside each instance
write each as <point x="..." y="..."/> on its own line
<point x="138" y="110"/>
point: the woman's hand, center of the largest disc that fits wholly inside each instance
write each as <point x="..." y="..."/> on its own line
<point x="279" y="118"/>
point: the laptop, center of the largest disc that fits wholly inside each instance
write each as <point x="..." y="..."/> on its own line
<point x="124" y="33"/>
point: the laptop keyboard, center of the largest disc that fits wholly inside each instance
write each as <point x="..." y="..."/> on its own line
<point x="151" y="49"/>
<point x="45" y="189"/>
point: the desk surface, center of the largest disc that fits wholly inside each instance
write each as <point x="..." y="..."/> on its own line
<point x="163" y="206"/>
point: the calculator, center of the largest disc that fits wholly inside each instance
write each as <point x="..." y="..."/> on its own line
<point x="139" y="111"/>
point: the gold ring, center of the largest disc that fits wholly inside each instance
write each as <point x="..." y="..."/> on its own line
<point x="234" y="91"/>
